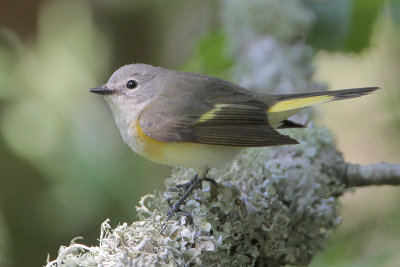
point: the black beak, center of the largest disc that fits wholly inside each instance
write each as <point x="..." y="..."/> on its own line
<point x="102" y="90"/>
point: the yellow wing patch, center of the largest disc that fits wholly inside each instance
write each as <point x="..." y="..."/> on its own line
<point x="212" y="113"/>
<point x="298" y="103"/>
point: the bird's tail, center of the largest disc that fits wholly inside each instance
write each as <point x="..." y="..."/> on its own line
<point x="285" y="106"/>
<point x="302" y="100"/>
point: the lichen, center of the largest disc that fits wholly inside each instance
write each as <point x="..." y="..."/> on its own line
<point x="272" y="205"/>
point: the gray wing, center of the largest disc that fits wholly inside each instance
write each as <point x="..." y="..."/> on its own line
<point x="210" y="111"/>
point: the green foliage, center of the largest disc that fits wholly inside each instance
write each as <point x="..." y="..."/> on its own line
<point x="344" y="25"/>
<point x="395" y="10"/>
<point x="4" y="239"/>
<point x="363" y="18"/>
<point x="211" y="55"/>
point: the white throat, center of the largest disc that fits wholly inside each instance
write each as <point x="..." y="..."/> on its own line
<point x="125" y="113"/>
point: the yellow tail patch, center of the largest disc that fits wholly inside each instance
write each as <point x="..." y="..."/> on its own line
<point x="298" y="103"/>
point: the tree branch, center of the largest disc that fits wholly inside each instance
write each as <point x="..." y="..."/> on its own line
<point x="375" y="174"/>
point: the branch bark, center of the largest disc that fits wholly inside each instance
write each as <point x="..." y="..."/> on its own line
<point x="375" y="174"/>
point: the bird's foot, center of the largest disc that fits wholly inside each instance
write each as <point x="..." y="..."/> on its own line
<point x="176" y="209"/>
<point x="189" y="187"/>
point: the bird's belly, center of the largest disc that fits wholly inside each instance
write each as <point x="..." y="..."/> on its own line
<point x="191" y="155"/>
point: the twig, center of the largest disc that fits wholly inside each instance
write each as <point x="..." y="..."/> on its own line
<point x="375" y="174"/>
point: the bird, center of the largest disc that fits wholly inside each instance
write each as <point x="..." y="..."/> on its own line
<point x="201" y="122"/>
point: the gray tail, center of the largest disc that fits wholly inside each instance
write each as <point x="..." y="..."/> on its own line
<point x="338" y="94"/>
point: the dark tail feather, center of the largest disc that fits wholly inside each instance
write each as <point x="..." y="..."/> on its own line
<point x="338" y="94"/>
<point x="290" y="124"/>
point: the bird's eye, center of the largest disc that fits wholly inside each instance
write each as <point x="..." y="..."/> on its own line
<point x="131" y="84"/>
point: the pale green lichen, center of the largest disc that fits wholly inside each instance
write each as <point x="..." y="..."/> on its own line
<point x="273" y="205"/>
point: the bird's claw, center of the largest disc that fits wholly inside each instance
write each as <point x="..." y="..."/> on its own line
<point x="174" y="209"/>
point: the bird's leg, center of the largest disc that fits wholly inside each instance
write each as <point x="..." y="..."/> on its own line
<point x="177" y="206"/>
<point x="189" y="187"/>
<point x="188" y="216"/>
<point x="186" y="186"/>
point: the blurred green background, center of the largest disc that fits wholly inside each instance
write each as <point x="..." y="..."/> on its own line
<point x="64" y="167"/>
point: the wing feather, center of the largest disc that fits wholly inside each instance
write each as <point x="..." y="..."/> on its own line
<point x="226" y="117"/>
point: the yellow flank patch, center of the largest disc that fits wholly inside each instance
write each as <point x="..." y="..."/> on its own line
<point x="298" y="103"/>
<point x="144" y="137"/>
<point x="191" y="155"/>
<point x="150" y="147"/>
<point x="212" y="113"/>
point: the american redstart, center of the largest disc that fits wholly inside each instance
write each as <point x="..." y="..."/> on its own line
<point x="197" y="121"/>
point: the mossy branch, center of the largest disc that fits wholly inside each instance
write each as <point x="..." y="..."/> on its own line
<point x="273" y="207"/>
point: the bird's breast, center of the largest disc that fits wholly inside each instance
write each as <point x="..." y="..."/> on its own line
<point x="191" y="155"/>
